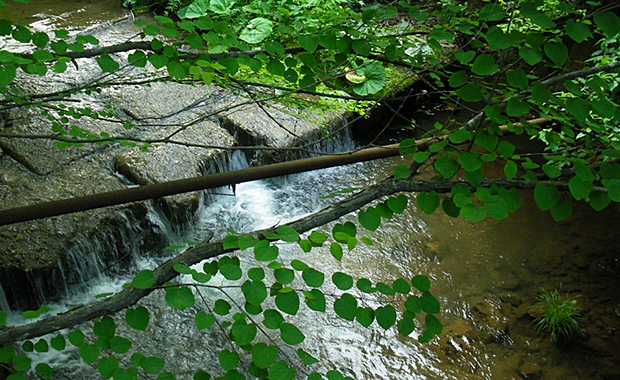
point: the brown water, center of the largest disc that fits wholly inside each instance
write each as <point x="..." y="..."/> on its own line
<point x="487" y="276"/>
<point x="47" y="15"/>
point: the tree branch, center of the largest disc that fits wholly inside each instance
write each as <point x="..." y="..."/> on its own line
<point x="207" y="250"/>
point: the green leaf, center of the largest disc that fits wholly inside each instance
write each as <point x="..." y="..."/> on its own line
<point x="342" y="280"/>
<point x="58" y="343"/>
<point x="375" y="79"/>
<point x="608" y="22"/>
<point x="288" y="302"/>
<point x="196" y="9"/>
<point x="506" y="149"/>
<point x="231" y="271"/>
<point x="531" y="55"/>
<point x="460" y="136"/>
<point x="578" y="108"/>
<point x="428" y="202"/>
<point x="604" y="107"/>
<point x="273" y="319"/>
<point x="465" y="57"/>
<point x="178" y="70"/>
<point x="222" y="307"/>
<point x="552" y="171"/>
<point x="256" y="274"/>
<point x="562" y="210"/>
<point x="107" y="63"/>
<point x="291" y="334"/>
<point x="105" y="328"/>
<point x="76" y="338"/>
<point x="580" y="188"/>
<point x="243" y="333"/>
<point x="430" y="304"/>
<point x="470" y="93"/>
<point x="22" y="34"/>
<point x="406" y="326"/>
<point x="229" y="359"/>
<point x="365" y="316"/>
<point x="306" y="357"/>
<point x="313" y="278"/>
<point x="386" y="316"/>
<point x="446" y="165"/>
<point x="284" y="275"/>
<point x="473" y="213"/>
<point x="152" y="365"/>
<point x="397" y="204"/>
<point x="422" y="283"/>
<point x="288" y="234"/>
<point x="90" y="353"/>
<point x="613" y="185"/>
<point x="22" y="363"/>
<point x="107" y="366"/>
<point x="144" y="279"/>
<point x="299" y="265"/>
<point x="309" y="43"/>
<point x="497" y="208"/>
<point x="458" y="79"/>
<point x="41" y="346"/>
<point x="28" y="346"/>
<point x="365" y="285"/>
<point x="370" y="218"/>
<point x="264" y="251"/>
<point x="346" y="307"/>
<point x="578" y="31"/>
<point x="470" y="161"/>
<point x="221" y="6"/>
<point x="281" y="371"/>
<point x="317" y="238"/>
<point x="599" y="200"/>
<point x="204" y="320"/>
<point x="510" y="170"/>
<point x="517" y="107"/>
<point x="256" y="30"/>
<point x="529" y="10"/>
<point x="180" y="298"/>
<point x="255" y="292"/>
<point x="120" y="345"/>
<point x="7" y="353"/>
<point x="546" y="196"/>
<point x="401" y="172"/>
<point x="557" y="52"/>
<point x="485" y="65"/>
<point x="158" y="61"/>
<point x="433" y="325"/>
<point x="263" y="355"/>
<point x="492" y="12"/>
<point x="315" y="300"/>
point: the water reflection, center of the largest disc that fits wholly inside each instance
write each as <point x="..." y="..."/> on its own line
<point x="48" y="15"/>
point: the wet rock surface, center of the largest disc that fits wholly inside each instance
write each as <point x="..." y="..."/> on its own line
<point x="192" y="125"/>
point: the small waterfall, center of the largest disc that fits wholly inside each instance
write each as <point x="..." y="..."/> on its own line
<point x="4" y="304"/>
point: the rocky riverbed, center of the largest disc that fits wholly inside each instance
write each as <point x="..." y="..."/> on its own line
<point x="39" y="258"/>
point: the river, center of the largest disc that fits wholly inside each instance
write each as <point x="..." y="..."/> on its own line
<point x="486" y="276"/>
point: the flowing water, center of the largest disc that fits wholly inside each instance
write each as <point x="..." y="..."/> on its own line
<point x="486" y="276"/>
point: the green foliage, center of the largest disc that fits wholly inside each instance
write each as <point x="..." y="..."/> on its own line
<point x="324" y="48"/>
<point x="557" y="314"/>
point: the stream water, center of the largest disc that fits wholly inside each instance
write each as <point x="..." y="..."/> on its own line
<point x="486" y="276"/>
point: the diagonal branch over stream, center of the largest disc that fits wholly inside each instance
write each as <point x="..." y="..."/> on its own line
<point x="207" y="250"/>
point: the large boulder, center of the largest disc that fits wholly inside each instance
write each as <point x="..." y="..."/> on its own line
<point x="170" y="131"/>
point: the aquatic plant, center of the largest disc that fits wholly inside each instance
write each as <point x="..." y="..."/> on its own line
<point x="558" y="314"/>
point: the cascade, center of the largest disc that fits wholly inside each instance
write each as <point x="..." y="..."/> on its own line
<point x="4" y="305"/>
